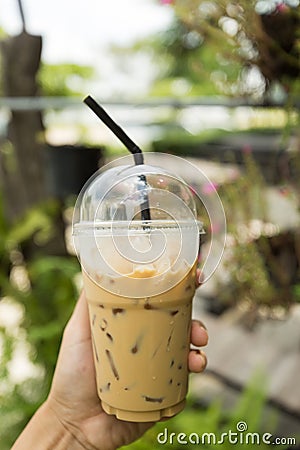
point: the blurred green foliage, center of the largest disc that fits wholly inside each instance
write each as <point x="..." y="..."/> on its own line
<point x="181" y="142"/>
<point x="44" y="290"/>
<point x="65" y="79"/>
<point x="249" y="408"/>
<point x="184" y="64"/>
<point x="223" y="47"/>
<point x="247" y="53"/>
<point x="188" y="66"/>
<point x="264" y="261"/>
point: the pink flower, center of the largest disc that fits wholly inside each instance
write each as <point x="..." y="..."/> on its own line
<point x="247" y="149"/>
<point x="284" y="191"/>
<point x="282" y="8"/>
<point x="215" y="228"/>
<point x="166" y="2"/>
<point x="209" y="188"/>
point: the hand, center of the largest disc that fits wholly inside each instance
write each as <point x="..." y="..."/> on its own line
<point x="75" y="401"/>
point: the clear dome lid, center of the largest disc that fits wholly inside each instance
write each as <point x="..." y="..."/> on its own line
<point x="128" y="193"/>
<point x="135" y="230"/>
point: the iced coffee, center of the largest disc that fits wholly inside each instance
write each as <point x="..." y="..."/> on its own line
<point x="139" y="280"/>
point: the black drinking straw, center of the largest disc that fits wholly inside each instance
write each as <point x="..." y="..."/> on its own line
<point x="129" y="144"/>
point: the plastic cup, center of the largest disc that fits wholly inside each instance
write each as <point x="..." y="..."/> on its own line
<point x="139" y="280"/>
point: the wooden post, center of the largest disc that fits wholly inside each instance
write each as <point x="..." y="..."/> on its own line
<point x="22" y="165"/>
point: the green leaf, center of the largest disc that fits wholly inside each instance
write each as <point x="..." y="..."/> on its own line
<point x="66" y="79"/>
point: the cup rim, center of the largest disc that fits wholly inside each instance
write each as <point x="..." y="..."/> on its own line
<point x="85" y="227"/>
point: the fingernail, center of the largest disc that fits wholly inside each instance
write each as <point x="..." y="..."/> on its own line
<point x="201" y="324"/>
<point x="203" y="357"/>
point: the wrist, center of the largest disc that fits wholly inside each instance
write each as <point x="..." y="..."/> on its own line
<point x="45" y="431"/>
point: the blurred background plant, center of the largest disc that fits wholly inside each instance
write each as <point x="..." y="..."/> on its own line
<point x="243" y="49"/>
<point x="204" y="425"/>
<point x="65" y="79"/>
<point x="263" y="258"/>
<point x="37" y="297"/>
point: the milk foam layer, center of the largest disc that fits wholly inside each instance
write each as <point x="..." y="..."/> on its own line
<point x="154" y="259"/>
